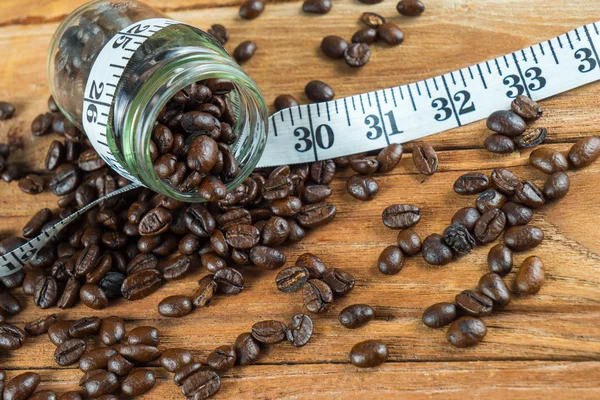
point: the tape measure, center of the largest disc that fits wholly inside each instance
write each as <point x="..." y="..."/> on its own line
<point x="355" y="124"/>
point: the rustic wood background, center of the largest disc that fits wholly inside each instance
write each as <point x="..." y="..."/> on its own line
<point x="545" y="346"/>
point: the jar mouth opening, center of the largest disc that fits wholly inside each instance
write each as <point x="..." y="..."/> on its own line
<point x="246" y="97"/>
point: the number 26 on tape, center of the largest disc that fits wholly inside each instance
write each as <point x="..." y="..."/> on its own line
<point x="323" y="136"/>
<point x="95" y="93"/>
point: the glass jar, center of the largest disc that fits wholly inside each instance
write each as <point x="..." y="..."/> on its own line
<point x="171" y="59"/>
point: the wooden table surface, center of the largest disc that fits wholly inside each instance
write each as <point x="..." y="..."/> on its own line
<point x="544" y="346"/>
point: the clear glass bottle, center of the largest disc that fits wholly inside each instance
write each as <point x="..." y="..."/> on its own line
<point x="170" y="60"/>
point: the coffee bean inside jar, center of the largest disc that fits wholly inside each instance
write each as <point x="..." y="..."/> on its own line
<point x="169" y="117"/>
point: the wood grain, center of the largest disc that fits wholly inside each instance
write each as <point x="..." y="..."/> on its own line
<point x="540" y="346"/>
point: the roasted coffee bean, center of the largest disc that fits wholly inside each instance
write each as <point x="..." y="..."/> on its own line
<point x="29" y="283"/>
<point x="390" y="33"/>
<point x="318" y="91"/>
<point x="548" y="160"/>
<point x="269" y="331"/>
<point x="506" y="123"/>
<point x="435" y="251"/>
<point x="365" y="35"/>
<point x="439" y="314"/>
<point x="489" y="199"/>
<point x="277" y="187"/>
<point x="357" y="54"/>
<point x="530" y="277"/>
<point x="205" y="291"/>
<point x="7" y="110"/>
<point x="229" y="281"/>
<point x="155" y="222"/>
<point x="85" y="327"/>
<point x="505" y="180"/>
<point x="291" y="279"/>
<point x="147" y="335"/>
<point x="391" y="260"/>
<point x="99" y="382"/>
<point x="288" y="207"/>
<point x="111" y="283"/>
<point x="163" y="137"/>
<point x="137" y="210"/>
<point x="40" y="326"/>
<point x="526" y="108"/>
<point x="11" y="337"/>
<point x="339" y="281"/>
<point x="267" y="257"/>
<point x="300" y="330"/>
<point x="317" y="295"/>
<point x="500" y="259"/>
<point x="87" y="260"/>
<point x="523" y="237"/>
<point x="55" y="155"/>
<point x="175" y="306"/>
<point x="316" y="6"/>
<point x="517" y="214"/>
<point x="186" y="371"/>
<point x="202" y="154"/>
<point x="409" y="242"/>
<point x="251" y="9"/>
<point x="499" y="144"/>
<point x="368" y="354"/>
<point x="585" y="151"/>
<point x="471" y="183"/>
<point x="458" y="237"/>
<point x="138" y="383"/>
<point x="242" y="236"/>
<point x="531" y="139"/>
<point x="14" y="280"/>
<point x="372" y="20"/>
<point x="11" y="172"/>
<point x="119" y="366"/>
<point x="492" y="285"/>
<point x="112" y="330"/>
<point x="425" y="158"/>
<point x="212" y="262"/>
<point x="222" y="358"/>
<point x="199" y="221"/>
<point x="332" y="47"/>
<point x="85" y="194"/>
<point x="66" y="179"/>
<point x="466" y="332"/>
<point x="31" y="184"/>
<point x="246" y="349"/>
<point x="410" y="8"/>
<point x="467" y="216"/>
<point x="313" y="264"/>
<point x="90" y="160"/>
<point x="96" y="359"/>
<point x="401" y="216"/>
<point x="175" y="267"/>
<point x="58" y="333"/>
<point x="284" y="101"/>
<point x="356" y="315"/>
<point x="219" y="32"/>
<point x="173" y="359"/>
<point x="322" y="172"/>
<point x="41" y="124"/>
<point x="362" y="187"/>
<point x="557" y="185"/>
<point x="22" y="386"/>
<point x="489" y="226"/>
<point x="138" y="353"/>
<point x="9" y="304"/>
<point x="93" y="297"/>
<point x="46" y="293"/>
<point x="141" y="284"/>
<point x="313" y="215"/>
<point x="69" y="352"/>
<point x="474" y="303"/>
<point x="312" y="194"/>
<point x="201" y="385"/>
<point x="220" y="86"/>
<point x="389" y="157"/>
<point x="43" y="395"/>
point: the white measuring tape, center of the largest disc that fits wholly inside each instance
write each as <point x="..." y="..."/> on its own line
<point x="354" y="124"/>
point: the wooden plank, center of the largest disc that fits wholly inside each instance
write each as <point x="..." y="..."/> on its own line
<point x="543" y="346"/>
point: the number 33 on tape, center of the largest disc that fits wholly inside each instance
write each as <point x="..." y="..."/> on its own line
<point x="400" y="114"/>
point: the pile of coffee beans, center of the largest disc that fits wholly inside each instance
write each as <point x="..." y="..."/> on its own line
<point x="319" y="284"/>
<point x="464" y="314"/>
<point x="509" y="127"/>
